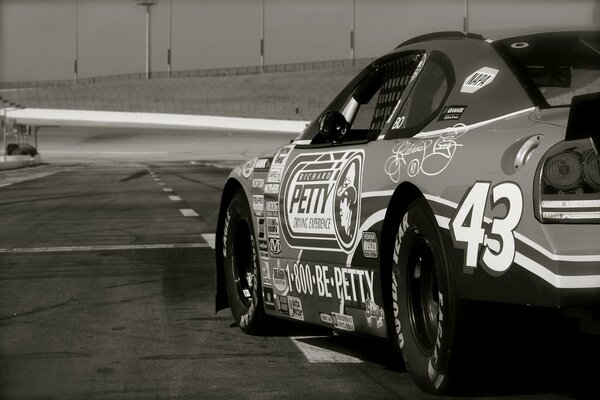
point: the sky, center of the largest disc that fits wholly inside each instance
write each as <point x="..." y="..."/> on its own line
<point x="41" y="39"/>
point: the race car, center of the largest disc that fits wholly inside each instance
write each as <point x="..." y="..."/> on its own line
<point x="458" y="167"/>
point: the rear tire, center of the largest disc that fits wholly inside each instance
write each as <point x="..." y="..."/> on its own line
<point x="425" y="308"/>
<point x="241" y="266"/>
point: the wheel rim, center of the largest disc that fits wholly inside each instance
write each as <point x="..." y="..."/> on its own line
<point x="243" y="271"/>
<point x="423" y="295"/>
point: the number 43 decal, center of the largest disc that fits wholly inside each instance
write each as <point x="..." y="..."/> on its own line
<point x="499" y="243"/>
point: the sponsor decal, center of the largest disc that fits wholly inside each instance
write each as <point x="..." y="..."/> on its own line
<point x="452" y="113"/>
<point x="274" y="246"/>
<point x="272" y="208"/>
<point x="261" y="228"/>
<point x="399" y="122"/>
<point x="280" y="280"/>
<point x="322" y="200"/>
<point x="272" y="188"/>
<point x="248" y="168"/>
<point x="273" y="227"/>
<point x="261" y="163"/>
<point x="326" y="318"/>
<point x="258" y="204"/>
<point x="351" y="285"/>
<point x="269" y="298"/>
<point x="498" y="240"/>
<point x="429" y="156"/>
<point x="342" y="322"/>
<point x="258" y="183"/>
<point x="396" y="306"/>
<point x="264" y="255"/>
<point x="419" y="68"/>
<point x="295" y="308"/>
<point x="282" y="305"/>
<point x="262" y="245"/>
<point x="282" y="155"/>
<point x="478" y="79"/>
<point x="369" y="244"/>
<point x="264" y="272"/>
<point x="275" y="174"/>
<point x="374" y="314"/>
<point x="225" y="230"/>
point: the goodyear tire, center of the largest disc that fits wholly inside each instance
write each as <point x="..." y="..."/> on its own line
<point x="241" y="266"/>
<point x="424" y="306"/>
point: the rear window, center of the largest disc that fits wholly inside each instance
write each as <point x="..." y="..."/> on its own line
<point x="554" y="67"/>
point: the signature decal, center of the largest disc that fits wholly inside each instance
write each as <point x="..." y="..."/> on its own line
<point x="429" y="156"/>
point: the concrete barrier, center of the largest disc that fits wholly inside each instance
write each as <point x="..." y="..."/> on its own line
<point x="84" y="118"/>
<point x="14" y="162"/>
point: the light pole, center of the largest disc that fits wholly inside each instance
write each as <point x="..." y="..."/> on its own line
<point x="75" y="55"/>
<point x="352" y="55"/>
<point x="466" y="17"/>
<point x="262" y="38"/>
<point x="170" y="38"/>
<point x="148" y="4"/>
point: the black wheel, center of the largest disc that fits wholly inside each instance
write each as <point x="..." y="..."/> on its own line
<point x="241" y="266"/>
<point x="424" y="306"/>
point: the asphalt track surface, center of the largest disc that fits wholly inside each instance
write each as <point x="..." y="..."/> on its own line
<point x="107" y="290"/>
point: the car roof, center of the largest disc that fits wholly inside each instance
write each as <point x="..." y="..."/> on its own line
<point x="517" y="32"/>
<point x="499" y="34"/>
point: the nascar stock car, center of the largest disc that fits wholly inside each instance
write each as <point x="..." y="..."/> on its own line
<point x="457" y="167"/>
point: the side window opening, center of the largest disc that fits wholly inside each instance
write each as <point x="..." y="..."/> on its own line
<point x="425" y="100"/>
<point x="375" y="99"/>
<point x="428" y="95"/>
<point x="396" y="76"/>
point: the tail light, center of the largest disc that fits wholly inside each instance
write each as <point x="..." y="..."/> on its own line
<point x="569" y="184"/>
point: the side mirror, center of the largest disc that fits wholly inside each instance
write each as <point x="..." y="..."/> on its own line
<point x="333" y="126"/>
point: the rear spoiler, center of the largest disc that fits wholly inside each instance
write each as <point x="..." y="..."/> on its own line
<point x="584" y="118"/>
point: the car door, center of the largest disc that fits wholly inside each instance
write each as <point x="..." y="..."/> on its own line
<point x="322" y="264"/>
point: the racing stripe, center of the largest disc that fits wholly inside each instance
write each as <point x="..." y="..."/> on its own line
<point x="477" y="124"/>
<point x="558" y="281"/>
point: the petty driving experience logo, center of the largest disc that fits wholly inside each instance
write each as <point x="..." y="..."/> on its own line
<point x="321" y="201"/>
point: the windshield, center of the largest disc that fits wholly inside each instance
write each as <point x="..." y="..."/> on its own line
<point x="554" y="67"/>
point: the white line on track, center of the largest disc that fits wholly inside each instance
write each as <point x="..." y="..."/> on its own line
<point x="175" y="198"/>
<point x="107" y="152"/>
<point x="103" y="248"/>
<point x="167" y="190"/>
<point x="188" y="212"/>
<point x="29" y="177"/>
<point x="210" y="239"/>
<point x="319" y="355"/>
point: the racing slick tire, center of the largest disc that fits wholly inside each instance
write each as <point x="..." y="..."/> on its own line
<point x="424" y="305"/>
<point x="241" y="267"/>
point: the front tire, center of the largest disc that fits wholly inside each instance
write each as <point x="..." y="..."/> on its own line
<point x="425" y="307"/>
<point x="241" y="266"/>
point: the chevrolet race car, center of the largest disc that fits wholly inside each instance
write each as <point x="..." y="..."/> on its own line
<point x="457" y="167"/>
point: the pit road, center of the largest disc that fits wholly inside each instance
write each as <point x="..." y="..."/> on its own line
<point x="107" y="286"/>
